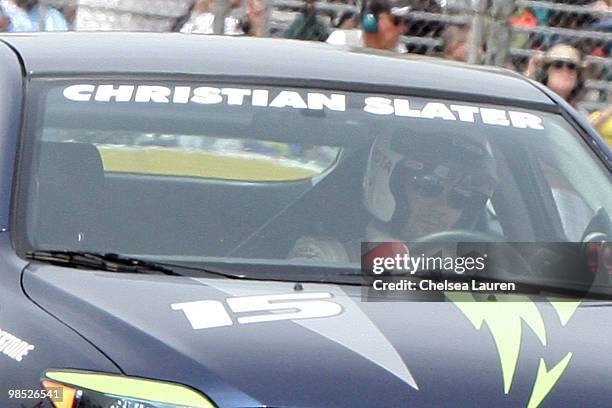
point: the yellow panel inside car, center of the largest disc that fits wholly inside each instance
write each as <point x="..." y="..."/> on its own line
<point x="198" y="163"/>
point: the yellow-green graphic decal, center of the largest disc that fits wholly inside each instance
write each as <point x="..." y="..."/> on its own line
<point x="546" y="379"/>
<point x="565" y="310"/>
<point x="505" y="321"/>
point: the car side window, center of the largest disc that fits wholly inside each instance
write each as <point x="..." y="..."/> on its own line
<point x="571" y="207"/>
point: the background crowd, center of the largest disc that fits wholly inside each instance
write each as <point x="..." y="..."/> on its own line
<point x="565" y="45"/>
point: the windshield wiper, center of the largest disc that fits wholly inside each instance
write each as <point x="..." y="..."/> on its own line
<point x="264" y="273"/>
<point x="122" y="263"/>
<point x="101" y="261"/>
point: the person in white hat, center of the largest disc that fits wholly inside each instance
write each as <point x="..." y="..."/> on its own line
<point x="560" y="69"/>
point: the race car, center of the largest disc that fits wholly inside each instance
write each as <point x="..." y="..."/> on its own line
<point x="184" y="223"/>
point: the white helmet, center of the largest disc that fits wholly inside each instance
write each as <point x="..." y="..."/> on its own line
<point x="393" y="158"/>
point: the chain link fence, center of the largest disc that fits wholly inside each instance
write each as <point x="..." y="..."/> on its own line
<point x="505" y="33"/>
<point x="536" y="26"/>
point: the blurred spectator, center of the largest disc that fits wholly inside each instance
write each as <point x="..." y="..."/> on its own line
<point x="455" y="42"/>
<point x="5" y="21"/>
<point x="524" y="18"/>
<point x="348" y="20"/>
<point x="50" y="17"/>
<point x="601" y="5"/>
<point x="201" y="20"/>
<point x="560" y="69"/>
<point x="15" y="19"/>
<point x="253" y="23"/>
<point x="602" y="122"/>
<point x="307" y="25"/>
<point x="602" y="23"/>
<point x="27" y="15"/>
<point x="380" y="27"/>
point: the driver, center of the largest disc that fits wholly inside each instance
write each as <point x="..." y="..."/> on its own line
<point x="415" y="186"/>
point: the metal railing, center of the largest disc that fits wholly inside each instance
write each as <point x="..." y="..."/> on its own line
<point x="503" y="32"/>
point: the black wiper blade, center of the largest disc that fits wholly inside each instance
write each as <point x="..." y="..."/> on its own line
<point x="222" y="272"/>
<point x="102" y="261"/>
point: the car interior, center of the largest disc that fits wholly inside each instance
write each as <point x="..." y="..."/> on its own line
<point x="77" y="203"/>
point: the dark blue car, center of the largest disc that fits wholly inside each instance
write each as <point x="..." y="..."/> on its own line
<point x="184" y="221"/>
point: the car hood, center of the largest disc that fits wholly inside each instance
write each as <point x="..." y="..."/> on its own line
<point x="248" y="343"/>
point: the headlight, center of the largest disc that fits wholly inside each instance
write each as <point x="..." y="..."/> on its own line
<point x="80" y="389"/>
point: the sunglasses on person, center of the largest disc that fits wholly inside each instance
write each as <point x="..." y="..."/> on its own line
<point x="397" y="20"/>
<point x="565" y="64"/>
<point x="458" y="197"/>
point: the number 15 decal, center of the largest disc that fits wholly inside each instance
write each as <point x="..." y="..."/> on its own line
<point x="204" y="314"/>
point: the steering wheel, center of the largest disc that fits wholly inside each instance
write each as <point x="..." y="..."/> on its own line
<point x="502" y="258"/>
<point x="459" y="235"/>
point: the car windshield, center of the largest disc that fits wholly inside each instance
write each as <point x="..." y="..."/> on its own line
<point x="198" y="171"/>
